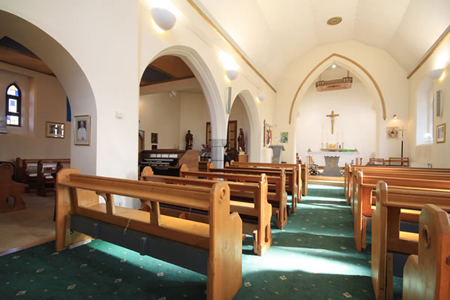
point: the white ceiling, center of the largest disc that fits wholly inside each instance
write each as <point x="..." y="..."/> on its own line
<point x="274" y="33"/>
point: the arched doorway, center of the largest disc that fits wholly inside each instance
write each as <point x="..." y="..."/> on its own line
<point x="203" y="84"/>
<point x="43" y="95"/>
<point x="245" y="112"/>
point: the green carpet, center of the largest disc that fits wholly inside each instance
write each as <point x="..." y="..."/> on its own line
<point x="314" y="257"/>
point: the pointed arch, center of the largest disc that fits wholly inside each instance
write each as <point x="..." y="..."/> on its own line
<point x="352" y="62"/>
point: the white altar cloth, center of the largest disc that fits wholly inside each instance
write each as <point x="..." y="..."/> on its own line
<point x="332" y="153"/>
<point x="344" y="157"/>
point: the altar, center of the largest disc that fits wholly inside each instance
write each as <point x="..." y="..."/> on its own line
<point x="332" y="159"/>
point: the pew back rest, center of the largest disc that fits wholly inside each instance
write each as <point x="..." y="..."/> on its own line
<point x="247" y="190"/>
<point x="222" y="237"/>
<point x="427" y="276"/>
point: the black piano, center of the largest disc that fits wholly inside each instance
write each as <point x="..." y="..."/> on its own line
<point x="168" y="161"/>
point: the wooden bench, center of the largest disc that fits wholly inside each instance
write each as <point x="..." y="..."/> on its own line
<point x="376" y="161"/>
<point x="46" y="173"/>
<point x="351" y="171"/>
<point x="386" y="234"/>
<point x="213" y="249"/>
<point x="258" y="207"/>
<point x="27" y="170"/>
<point x="278" y="198"/>
<point x="363" y="201"/>
<point x="421" y="173"/>
<point x="427" y="276"/>
<point x="398" y="161"/>
<point x="10" y="188"/>
<point x="293" y="175"/>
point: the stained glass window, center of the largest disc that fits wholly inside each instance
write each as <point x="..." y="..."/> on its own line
<point x="13" y="105"/>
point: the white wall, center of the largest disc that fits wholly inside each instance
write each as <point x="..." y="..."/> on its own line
<point x="435" y="153"/>
<point x="194" y="114"/>
<point x="385" y="71"/>
<point x="355" y="126"/>
<point x="160" y="113"/>
<point x="43" y="99"/>
<point x="172" y="117"/>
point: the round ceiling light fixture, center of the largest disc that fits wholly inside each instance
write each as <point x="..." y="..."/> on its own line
<point x="334" y="21"/>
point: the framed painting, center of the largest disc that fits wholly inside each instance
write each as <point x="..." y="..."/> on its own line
<point x="268" y="134"/>
<point x="54" y="130"/>
<point x="440" y="133"/>
<point x="154" y="138"/>
<point x="284" y="137"/>
<point x="392" y="132"/>
<point x="82" y="130"/>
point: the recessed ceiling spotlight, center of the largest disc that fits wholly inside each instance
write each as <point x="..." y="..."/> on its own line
<point x="334" y="21"/>
<point x="333" y="66"/>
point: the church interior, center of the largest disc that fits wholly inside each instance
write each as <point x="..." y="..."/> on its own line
<point x="171" y="149"/>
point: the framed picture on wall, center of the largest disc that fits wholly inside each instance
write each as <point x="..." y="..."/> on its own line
<point x="284" y="137"/>
<point x="392" y="132"/>
<point x="268" y="134"/>
<point x="82" y="130"/>
<point x="54" y="130"/>
<point x="440" y="133"/>
<point x="154" y="138"/>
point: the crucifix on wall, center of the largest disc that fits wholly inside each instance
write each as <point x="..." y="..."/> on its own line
<point x="332" y="120"/>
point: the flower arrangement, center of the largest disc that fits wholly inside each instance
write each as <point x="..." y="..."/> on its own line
<point x="206" y="147"/>
<point x="313" y="169"/>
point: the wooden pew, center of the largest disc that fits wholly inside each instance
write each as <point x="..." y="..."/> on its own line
<point x="278" y="198"/>
<point x="427" y="276"/>
<point x="400" y="173"/>
<point x="363" y="200"/>
<point x="293" y="174"/>
<point x="46" y="173"/>
<point x="386" y="234"/>
<point x="398" y="161"/>
<point x="10" y="188"/>
<point x="27" y="170"/>
<point x="351" y="171"/>
<point x="376" y="161"/>
<point x="303" y="170"/>
<point x="214" y="249"/>
<point x="258" y="207"/>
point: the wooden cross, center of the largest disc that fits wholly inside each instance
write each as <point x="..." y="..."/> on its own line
<point x="332" y="120"/>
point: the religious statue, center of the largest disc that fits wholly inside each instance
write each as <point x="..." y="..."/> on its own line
<point x="241" y="141"/>
<point x="189" y="140"/>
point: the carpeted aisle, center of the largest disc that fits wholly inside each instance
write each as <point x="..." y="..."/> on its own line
<point x="314" y="257"/>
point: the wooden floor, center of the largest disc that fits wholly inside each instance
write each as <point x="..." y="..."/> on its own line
<point x="30" y="227"/>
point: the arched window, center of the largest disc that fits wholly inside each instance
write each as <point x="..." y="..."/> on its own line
<point x="13" y="105"/>
<point x="424" y="118"/>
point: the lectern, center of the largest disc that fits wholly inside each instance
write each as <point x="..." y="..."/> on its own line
<point x="277" y="151"/>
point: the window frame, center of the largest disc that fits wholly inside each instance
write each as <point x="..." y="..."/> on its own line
<point x="19" y="105"/>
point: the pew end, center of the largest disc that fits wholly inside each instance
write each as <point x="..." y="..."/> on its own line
<point x="10" y="188"/>
<point x="427" y="276"/>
